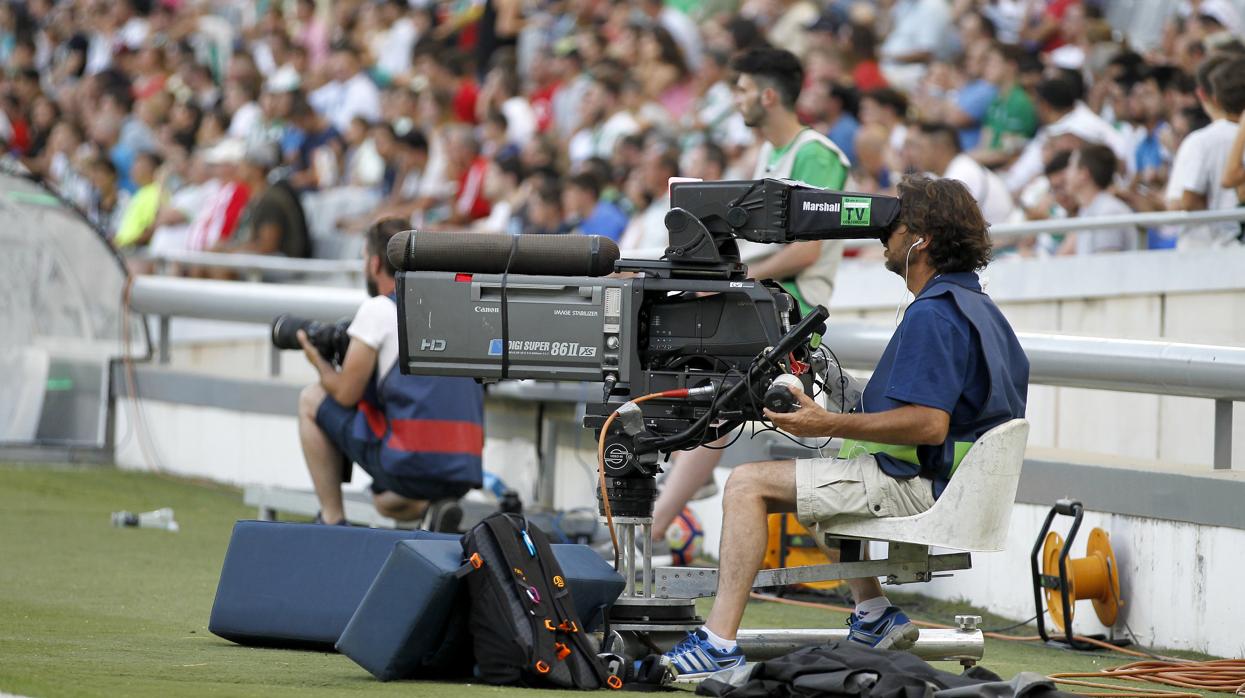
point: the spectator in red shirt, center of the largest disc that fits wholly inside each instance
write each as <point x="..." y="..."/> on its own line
<point x="469" y="167"/>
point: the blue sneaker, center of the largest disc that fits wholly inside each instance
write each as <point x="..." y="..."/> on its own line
<point x="695" y="658"/>
<point x="892" y="630"/>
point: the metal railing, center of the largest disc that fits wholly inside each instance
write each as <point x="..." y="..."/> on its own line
<point x="1162" y="368"/>
<point x="254" y="267"/>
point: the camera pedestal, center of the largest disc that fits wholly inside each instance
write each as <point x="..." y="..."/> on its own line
<point x="638" y="609"/>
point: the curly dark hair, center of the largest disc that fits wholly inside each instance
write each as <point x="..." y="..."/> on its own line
<point x="946" y="215"/>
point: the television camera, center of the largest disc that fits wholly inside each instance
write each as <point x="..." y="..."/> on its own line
<point x="687" y="348"/>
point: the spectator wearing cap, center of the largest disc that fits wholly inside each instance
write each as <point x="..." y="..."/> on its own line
<point x="938" y="152"/>
<point x="1011" y="119"/>
<point x="1064" y="117"/>
<point x="1091" y="169"/>
<point x="349" y="93"/>
<point x="586" y="213"/>
<point x="1197" y="173"/>
<point x="216" y="218"/>
<point x="272" y="222"/>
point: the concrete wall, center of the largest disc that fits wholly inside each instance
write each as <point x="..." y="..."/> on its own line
<point x="1178" y="581"/>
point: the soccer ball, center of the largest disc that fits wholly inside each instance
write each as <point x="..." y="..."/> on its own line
<point x="685" y="537"/>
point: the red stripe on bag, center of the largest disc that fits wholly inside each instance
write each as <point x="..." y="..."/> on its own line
<point x="375" y="418"/>
<point x="437" y="436"/>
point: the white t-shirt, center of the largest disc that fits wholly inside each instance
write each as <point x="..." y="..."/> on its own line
<point x="341" y="102"/>
<point x="1081" y="122"/>
<point x="600" y="141"/>
<point x="520" y="120"/>
<point x="1114" y="240"/>
<point x="1197" y="167"/>
<point x="376" y="325"/>
<point x="985" y="186"/>
<point x="646" y="236"/>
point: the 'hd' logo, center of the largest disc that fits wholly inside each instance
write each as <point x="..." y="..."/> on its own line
<point x="432" y="345"/>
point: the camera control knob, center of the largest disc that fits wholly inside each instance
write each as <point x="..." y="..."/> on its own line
<point x="612" y="343"/>
<point x="778" y="398"/>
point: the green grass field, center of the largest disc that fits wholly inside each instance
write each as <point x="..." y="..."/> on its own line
<point x="91" y="610"/>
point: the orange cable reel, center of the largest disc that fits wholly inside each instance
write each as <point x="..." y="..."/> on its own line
<point x="1095" y="577"/>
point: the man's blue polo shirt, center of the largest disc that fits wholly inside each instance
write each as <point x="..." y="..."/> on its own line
<point x="937" y="358"/>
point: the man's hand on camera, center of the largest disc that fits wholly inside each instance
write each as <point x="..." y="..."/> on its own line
<point x="313" y="355"/>
<point x="808" y="419"/>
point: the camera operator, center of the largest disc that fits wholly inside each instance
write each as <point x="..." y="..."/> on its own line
<point x="419" y="437"/>
<point x="765" y="94"/>
<point x="952" y="371"/>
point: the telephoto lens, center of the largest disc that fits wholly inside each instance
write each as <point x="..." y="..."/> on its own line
<point x="330" y="339"/>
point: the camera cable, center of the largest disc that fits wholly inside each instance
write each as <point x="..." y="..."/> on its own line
<point x="605" y="429"/>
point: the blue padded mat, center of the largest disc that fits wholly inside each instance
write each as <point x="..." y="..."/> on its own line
<point x="296" y="585"/>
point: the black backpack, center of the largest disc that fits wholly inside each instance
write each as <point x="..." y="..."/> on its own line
<point x="523" y="625"/>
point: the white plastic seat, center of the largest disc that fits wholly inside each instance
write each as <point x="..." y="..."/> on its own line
<point x="974" y="510"/>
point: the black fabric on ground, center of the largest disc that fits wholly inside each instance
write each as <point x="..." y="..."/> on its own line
<point x="847" y="669"/>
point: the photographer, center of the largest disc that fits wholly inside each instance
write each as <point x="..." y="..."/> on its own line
<point x="952" y="371"/>
<point x="419" y="437"/>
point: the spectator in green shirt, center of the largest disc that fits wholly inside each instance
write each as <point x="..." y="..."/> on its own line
<point x="138" y="222"/>
<point x="1011" y="119"/>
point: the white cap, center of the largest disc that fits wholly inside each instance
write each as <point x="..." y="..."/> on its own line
<point x="1221" y="11"/>
<point x="286" y="79"/>
<point x="229" y="151"/>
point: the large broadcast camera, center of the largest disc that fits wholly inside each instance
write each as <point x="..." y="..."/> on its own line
<point x="687" y="347"/>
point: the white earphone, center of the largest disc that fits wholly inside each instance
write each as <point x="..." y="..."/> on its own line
<point x="907" y="258"/>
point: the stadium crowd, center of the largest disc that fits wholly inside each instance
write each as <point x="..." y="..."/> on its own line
<point x="288" y="126"/>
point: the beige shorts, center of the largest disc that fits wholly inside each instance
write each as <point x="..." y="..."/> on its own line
<point x="828" y="487"/>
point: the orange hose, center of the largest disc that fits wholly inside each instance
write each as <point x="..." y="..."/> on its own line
<point x="605" y="500"/>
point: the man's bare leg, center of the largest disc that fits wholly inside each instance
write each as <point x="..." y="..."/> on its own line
<point x="399" y="508"/>
<point x="692" y="469"/>
<point x="324" y="461"/>
<point x="752" y="492"/>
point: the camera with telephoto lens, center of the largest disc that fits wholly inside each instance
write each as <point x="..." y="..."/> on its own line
<point x="329" y="338"/>
<point x="686" y="349"/>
